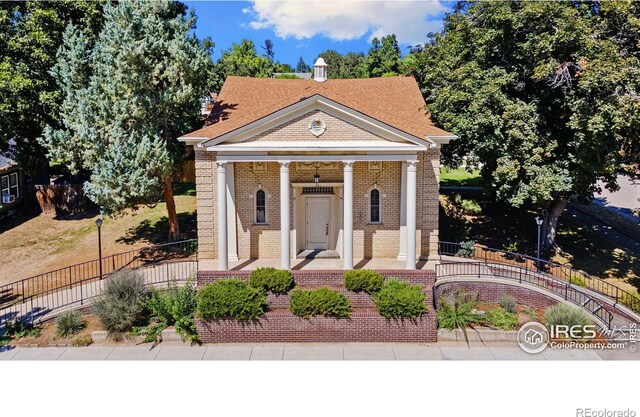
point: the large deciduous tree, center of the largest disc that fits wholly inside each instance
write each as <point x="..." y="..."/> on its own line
<point x="30" y="34"/>
<point x="126" y="100"/>
<point x="243" y="60"/>
<point x="544" y="93"/>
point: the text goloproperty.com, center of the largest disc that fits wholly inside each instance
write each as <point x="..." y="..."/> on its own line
<point x="591" y="412"/>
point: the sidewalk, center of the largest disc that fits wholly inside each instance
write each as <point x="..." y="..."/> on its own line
<point x="309" y="351"/>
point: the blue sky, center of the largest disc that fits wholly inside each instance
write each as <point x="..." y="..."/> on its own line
<point x="305" y="28"/>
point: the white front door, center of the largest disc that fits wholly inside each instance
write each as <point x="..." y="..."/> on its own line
<point x="317" y="217"/>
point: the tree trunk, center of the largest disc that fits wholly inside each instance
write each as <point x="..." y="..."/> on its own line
<point x="550" y="225"/>
<point x="174" y="227"/>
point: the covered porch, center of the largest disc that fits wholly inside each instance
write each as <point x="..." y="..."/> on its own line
<point x="313" y="264"/>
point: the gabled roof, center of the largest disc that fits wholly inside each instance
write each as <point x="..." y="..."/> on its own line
<point x="394" y="101"/>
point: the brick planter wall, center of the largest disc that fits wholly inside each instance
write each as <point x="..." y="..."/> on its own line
<point x="364" y="325"/>
<point x="491" y="292"/>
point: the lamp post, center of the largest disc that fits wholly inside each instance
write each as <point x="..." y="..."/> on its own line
<point x="99" y="224"/>
<point x="539" y="223"/>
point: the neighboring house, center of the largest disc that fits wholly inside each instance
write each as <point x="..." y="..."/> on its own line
<point x="354" y="162"/>
<point x="11" y="185"/>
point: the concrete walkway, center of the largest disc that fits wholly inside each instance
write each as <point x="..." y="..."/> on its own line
<point x="309" y="351"/>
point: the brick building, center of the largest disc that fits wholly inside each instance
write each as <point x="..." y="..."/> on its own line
<point x="355" y="162"/>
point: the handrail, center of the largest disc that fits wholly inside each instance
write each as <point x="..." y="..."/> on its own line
<point x="562" y="272"/>
<point x="569" y="292"/>
<point x="96" y="269"/>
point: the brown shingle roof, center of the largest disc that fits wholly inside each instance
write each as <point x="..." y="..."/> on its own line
<point x="395" y="101"/>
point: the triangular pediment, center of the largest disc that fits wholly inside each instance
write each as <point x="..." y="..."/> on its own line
<point x="317" y="121"/>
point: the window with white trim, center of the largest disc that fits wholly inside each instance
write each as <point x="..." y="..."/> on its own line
<point x="9" y="185"/>
<point x="375" y="204"/>
<point x="261" y="207"/>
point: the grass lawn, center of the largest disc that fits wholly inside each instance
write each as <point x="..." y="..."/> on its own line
<point x="43" y="243"/>
<point x="458" y="177"/>
<point x="499" y="224"/>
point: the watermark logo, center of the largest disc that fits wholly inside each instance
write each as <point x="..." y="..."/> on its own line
<point x="533" y="337"/>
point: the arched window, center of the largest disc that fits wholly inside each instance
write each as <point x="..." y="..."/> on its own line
<point x="374" y="206"/>
<point x="261" y="207"/>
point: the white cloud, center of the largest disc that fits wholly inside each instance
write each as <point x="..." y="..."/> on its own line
<point x="347" y="20"/>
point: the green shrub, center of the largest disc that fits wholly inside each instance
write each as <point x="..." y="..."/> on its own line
<point x="231" y="299"/>
<point x="82" y="341"/>
<point x="471" y="207"/>
<point x="512" y="247"/>
<point x="119" y="307"/>
<point x="467" y="249"/>
<point x="400" y="300"/>
<point x="358" y="280"/>
<point x="461" y="314"/>
<point x="501" y="318"/>
<point x="276" y="281"/>
<point x="578" y="280"/>
<point x="16" y="329"/>
<point x="69" y="323"/>
<point x="320" y="302"/>
<point x="174" y="306"/>
<point x="508" y="302"/>
<point x="562" y="314"/>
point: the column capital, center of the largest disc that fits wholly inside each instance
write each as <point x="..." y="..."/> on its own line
<point x="284" y="165"/>
<point x="348" y="165"/>
<point x="412" y="165"/>
<point x="221" y="166"/>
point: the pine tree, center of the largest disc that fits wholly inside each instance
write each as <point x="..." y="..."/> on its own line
<point x="123" y="110"/>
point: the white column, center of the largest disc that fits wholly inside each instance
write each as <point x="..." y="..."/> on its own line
<point x="285" y="238"/>
<point x="232" y="235"/>
<point x="223" y="262"/>
<point x="347" y="204"/>
<point x="411" y="214"/>
<point x="402" y="251"/>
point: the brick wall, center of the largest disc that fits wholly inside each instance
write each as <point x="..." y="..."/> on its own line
<point x="364" y="325"/>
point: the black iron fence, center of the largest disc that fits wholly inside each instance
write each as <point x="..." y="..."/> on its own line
<point x="564" y="289"/>
<point x="39" y="295"/>
<point x="561" y="272"/>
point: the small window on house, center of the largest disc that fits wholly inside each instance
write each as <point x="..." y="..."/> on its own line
<point x="374" y="206"/>
<point x="13" y="185"/>
<point x="5" y="185"/>
<point x="261" y="207"/>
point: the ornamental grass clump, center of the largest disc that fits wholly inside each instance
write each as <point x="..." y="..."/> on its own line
<point x="400" y="300"/>
<point x="508" y="302"/>
<point x="69" y="323"/>
<point x="358" y="280"/>
<point x="119" y="308"/>
<point x="231" y="299"/>
<point x="275" y="281"/>
<point x="565" y="315"/>
<point x="320" y="302"/>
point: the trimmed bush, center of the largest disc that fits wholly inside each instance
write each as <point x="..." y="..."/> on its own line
<point x="69" y="323"/>
<point x="276" y="281"/>
<point x="501" y="318"/>
<point x="231" y="299"/>
<point x="578" y="280"/>
<point x="400" y="300"/>
<point x="320" y="302"/>
<point x="508" y="302"/>
<point x="358" y="280"/>
<point x="174" y="306"/>
<point x="562" y="314"/>
<point x="119" y="308"/>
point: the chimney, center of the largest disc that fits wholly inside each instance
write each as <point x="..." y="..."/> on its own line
<point x="320" y="71"/>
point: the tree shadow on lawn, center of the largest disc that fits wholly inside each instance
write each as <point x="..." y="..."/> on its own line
<point x="156" y="233"/>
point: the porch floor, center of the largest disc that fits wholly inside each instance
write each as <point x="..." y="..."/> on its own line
<point x="313" y="264"/>
<point x="318" y="254"/>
